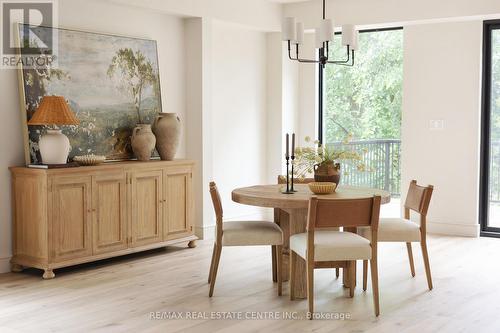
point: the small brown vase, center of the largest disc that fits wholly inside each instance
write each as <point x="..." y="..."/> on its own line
<point x="143" y="142"/>
<point x="327" y="172"/>
<point x="167" y="129"/>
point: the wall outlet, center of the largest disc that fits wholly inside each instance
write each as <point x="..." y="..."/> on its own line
<point x="436" y="124"/>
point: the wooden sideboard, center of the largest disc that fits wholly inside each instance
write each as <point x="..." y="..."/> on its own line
<point x="63" y="217"/>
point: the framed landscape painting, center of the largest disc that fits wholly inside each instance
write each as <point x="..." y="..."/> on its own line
<point x="110" y="82"/>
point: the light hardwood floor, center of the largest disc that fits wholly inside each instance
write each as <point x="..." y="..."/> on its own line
<point x="118" y="295"/>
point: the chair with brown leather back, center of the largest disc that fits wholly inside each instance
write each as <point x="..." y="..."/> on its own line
<point x="405" y="230"/>
<point x="241" y="233"/>
<point x="278" y="215"/>
<point x="322" y="247"/>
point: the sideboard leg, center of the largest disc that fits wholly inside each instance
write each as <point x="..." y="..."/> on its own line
<point x="48" y="274"/>
<point x="192" y="244"/>
<point x="16" y="268"/>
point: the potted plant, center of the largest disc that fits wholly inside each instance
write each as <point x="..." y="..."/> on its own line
<point x="324" y="161"/>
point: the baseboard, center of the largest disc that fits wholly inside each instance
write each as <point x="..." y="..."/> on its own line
<point x="205" y="232"/>
<point x="5" y="265"/>
<point x="453" y="229"/>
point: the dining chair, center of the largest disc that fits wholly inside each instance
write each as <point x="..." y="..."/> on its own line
<point x="322" y="248"/>
<point x="241" y="233"/>
<point x="405" y="230"/>
<point x="277" y="220"/>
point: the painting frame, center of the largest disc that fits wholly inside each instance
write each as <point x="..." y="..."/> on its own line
<point x="22" y="87"/>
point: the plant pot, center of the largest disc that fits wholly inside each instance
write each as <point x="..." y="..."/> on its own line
<point x="143" y="142"/>
<point x="167" y="129"/>
<point x="327" y="172"/>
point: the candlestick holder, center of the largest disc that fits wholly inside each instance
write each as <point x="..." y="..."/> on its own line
<point x="288" y="189"/>
<point x="293" y="163"/>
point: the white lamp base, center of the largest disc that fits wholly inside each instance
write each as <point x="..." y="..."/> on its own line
<point x="54" y="147"/>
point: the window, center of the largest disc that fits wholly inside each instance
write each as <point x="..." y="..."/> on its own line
<point x="364" y="102"/>
<point x="490" y="133"/>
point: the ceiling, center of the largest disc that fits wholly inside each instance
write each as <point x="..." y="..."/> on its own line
<point x="287" y="1"/>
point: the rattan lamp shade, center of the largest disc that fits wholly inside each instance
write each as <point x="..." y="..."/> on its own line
<point x="53" y="110"/>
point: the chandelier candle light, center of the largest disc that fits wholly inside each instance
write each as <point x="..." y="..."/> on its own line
<point x="289" y="179"/>
<point x="293" y="33"/>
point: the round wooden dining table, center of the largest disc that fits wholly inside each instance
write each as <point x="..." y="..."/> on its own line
<point x="290" y="212"/>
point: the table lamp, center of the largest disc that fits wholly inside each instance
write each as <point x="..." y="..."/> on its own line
<point x="54" y="146"/>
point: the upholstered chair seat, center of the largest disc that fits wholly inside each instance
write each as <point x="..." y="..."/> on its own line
<point x="333" y="246"/>
<point x="394" y="230"/>
<point x="243" y="233"/>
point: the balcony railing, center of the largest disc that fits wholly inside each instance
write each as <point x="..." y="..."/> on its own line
<point x="384" y="158"/>
<point x="383" y="164"/>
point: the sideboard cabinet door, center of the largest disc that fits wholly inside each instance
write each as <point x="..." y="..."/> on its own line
<point x="71" y="211"/>
<point x="109" y="212"/>
<point x="147" y="205"/>
<point x="179" y="204"/>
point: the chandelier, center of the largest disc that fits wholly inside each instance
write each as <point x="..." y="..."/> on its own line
<point x="293" y="34"/>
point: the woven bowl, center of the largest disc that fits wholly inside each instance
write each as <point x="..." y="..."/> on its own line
<point x="89" y="159"/>
<point x="322" y="187"/>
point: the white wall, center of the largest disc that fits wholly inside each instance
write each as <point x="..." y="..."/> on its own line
<point x="197" y="36"/>
<point x="239" y="119"/>
<point x="93" y="16"/>
<point x="275" y="147"/>
<point x="442" y="75"/>
<point x="308" y="92"/>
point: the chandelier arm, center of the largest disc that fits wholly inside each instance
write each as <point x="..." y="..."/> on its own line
<point x="290" y="52"/>
<point x="308" y="61"/>
<point x="340" y="62"/>
<point x="351" y="64"/>
<point x="297" y="58"/>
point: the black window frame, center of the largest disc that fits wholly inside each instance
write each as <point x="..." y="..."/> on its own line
<point x="321" y="81"/>
<point x="484" y="172"/>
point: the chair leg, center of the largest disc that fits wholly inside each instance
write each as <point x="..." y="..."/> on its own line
<point x="425" y="255"/>
<point x="211" y="264"/>
<point x="310" y="287"/>
<point x="279" y="264"/>
<point x="273" y="260"/>
<point x="291" y="279"/>
<point x="374" y="274"/>
<point x="337" y="272"/>
<point x="365" y="274"/>
<point x="218" y="250"/>
<point x="352" y="271"/>
<point x="410" y="258"/>
<point x="345" y="277"/>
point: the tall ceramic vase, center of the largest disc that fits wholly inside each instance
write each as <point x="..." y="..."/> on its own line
<point x="143" y="142"/>
<point x="167" y="129"/>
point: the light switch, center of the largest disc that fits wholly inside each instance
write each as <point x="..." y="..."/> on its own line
<point x="436" y="124"/>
